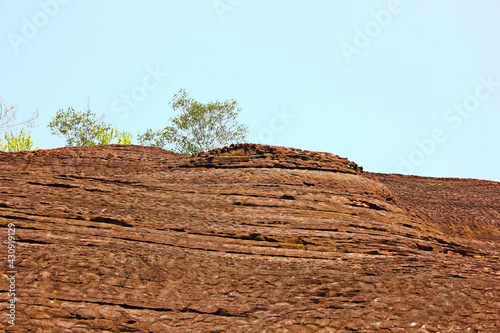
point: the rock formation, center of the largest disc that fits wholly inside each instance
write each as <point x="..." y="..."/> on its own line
<point x="247" y="238"/>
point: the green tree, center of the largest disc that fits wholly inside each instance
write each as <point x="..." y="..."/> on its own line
<point x="84" y="129"/>
<point x="17" y="142"/>
<point x="14" y="142"/>
<point x="198" y="127"/>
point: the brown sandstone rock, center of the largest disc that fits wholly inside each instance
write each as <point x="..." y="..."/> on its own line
<point x="244" y="238"/>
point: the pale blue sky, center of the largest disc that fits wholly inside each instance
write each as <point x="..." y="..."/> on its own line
<point x="365" y="80"/>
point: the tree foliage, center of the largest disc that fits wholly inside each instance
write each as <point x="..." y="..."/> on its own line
<point x="14" y="142"/>
<point x="17" y="142"/>
<point x="84" y="129"/>
<point x="198" y="127"/>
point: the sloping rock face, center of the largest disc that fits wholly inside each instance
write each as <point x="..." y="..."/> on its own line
<point x="247" y="238"/>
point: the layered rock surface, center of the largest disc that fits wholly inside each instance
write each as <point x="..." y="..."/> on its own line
<point x="244" y="238"/>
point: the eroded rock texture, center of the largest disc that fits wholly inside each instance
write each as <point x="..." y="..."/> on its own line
<point x="248" y="238"/>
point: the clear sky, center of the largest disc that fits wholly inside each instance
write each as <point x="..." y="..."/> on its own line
<point x="396" y="86"/>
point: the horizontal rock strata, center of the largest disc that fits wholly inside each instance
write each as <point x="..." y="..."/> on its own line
<point x="244" y="238"/>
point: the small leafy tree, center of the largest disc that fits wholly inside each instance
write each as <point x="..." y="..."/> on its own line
<point x="198" y="127"/>
<point x="17" y="142"/>
<point x="14" y="142"/>
<point x="84" y="129"/>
